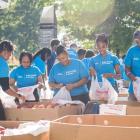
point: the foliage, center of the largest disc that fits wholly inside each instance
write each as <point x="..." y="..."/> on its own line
<point x="20" y="23"/>
<point x="119" y="19"/>
<point x="127" y="21"/>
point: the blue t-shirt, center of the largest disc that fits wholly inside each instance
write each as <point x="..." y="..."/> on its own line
<point x="123" y="74"/>
<point x="25" y="77"/>
<point x="104" y="64"/>
<point x="4" y="69"/>
<point x="72" y="53"/>
<point x="69" y="74"/>
<point x="86" y="61"/>
<point x="51" y="61"/>
<point x="132" y="60"/>
<point x="38" y="62"/>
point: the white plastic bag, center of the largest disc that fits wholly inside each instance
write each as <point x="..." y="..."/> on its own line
<point x="102" y="91"/>
<point x="33" y="128"/>
<point x="7" y="100"/>
<point x="63" y="94"/>
<point x="28" y="92"/>
<point x="47" y="93"/>
<point x="136" y="88"/>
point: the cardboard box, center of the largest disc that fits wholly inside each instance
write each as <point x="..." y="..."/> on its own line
<point x="133" y="108"/>
<point x="89" y="127"/>
<point x="29" y="114"/>
<point x="111" y="109"/>
<point x="15" y="124"/>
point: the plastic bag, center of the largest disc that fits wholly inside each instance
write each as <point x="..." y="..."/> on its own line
<point x="33" y="128"/>
<point x="46" y="93"/>
<point x="102" y="91"/>
<point x="136" y="88"/>
<point x="63" y="94"/>
<point x="7" y="100"/>
<point x="27" y="92"/>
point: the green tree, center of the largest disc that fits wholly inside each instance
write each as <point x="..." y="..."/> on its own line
<point x="118" y="18"/>
<point x="80" y="18"/>
<point x="20" y="23"/>
<point x="127" y="21"/>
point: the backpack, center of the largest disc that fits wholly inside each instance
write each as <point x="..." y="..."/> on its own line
<point x="92" y="107"/>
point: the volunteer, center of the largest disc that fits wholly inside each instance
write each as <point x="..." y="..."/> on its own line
<point x="54" y="44"/>
<point x="105" y="63"/>
<point x="26" y="75"/>
<point x="40" y="58"/>
<point x="132" y="63"/>
<point x="72" y="51"/>
<point x="81" y="53"/>
<point x="6" y="49"/>
<point x="70" y="73"/>
<point x="89" y="54"/>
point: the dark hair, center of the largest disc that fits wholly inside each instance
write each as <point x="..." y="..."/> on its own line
<point x="6" y="46"/>
<point x="123" y="57"/>
<point x="136" y="34"/>
<point x="29" y="55"/>
<point x="81" y="52"/>
<point x="102" y="38"/>
<point x="89" y="54"/>
<point x="42" y="53"/>
<point x="54" y="42"/>
<point x="73" y="45"/>
<point x="60" y="49"/>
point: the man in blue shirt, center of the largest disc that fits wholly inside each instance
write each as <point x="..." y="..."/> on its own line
<point x="70" y="73"/>
<point x="72" y="51"/>
<point x="132" y="63"/>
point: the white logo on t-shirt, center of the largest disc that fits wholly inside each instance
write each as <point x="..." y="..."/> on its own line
<point x="70" y="72"/>
<point x="107" y="62"/>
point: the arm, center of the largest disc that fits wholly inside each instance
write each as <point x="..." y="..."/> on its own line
<point x="77" y="84"/>
<point x="4" y="82"/>
<point x="40" y="82"/>
<point x="12" y="84"/>
<point x="111" y="75"/>
<point x="92" y="72"/>
<point x="129" y="74"/>
<point x="14" y="94"/>
<point x="53" y="85"/>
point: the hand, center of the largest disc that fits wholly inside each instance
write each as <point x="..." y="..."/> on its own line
<point x="107" y="75"/>
<point x="16" y="89"/>
<point x="69" y="86"/>
<point x="117" y="76"/>
<point x="40" y="85"/>
<point x="21" y="97"/>
<point x="92" y="72"/>
<point x="58" y="86"/>
<point x="134" y="79"/>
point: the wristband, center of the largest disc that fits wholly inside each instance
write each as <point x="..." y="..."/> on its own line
<point x="128" y="73"/>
